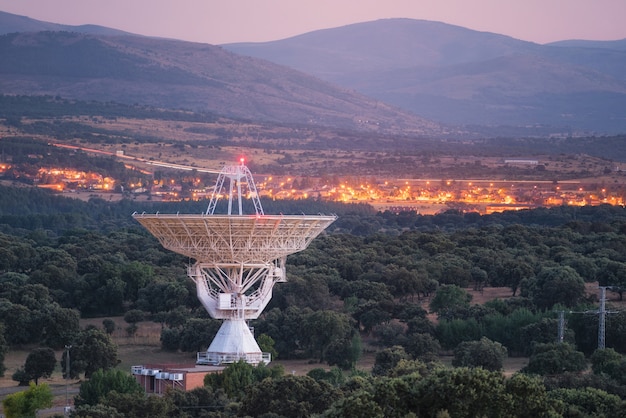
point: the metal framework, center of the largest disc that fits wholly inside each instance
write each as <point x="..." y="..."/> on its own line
<point x="237" y="175"/>
<point x="601" y="312"/>
<point x="239" y="258"/>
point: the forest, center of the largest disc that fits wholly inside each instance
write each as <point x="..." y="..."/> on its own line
<point x="392" y="283"/>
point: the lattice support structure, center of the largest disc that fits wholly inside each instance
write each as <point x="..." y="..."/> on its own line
<point x="236" y="291"/>
<point x="239" y="259"/>
<point x="237" y="175"/>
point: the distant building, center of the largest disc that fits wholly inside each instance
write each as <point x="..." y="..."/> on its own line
<point x="159" y="378"/>
<point x="521" y="162"/>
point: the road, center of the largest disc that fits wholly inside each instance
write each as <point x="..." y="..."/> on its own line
<point x="163" y="164"/>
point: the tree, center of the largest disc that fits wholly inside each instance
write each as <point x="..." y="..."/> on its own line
<point x="405" y="283"/>
<point x="236" y="378"/>
<point x="136" y="275"/>
<point x="21" y="377"/>
<point x="561" y="284"/>
<point x="322" y="329"/>
<point x="604" y="361"/>
<point x="204" y="401"/>
<point x="96" y="411"/>
<point x="589" y="402"/>
<point x="452" y="333"/>
<point x="371" y="317"/>
<point x="555" y="358"/>
<point x="483" y="353"/>
<point x="286" y="328"/>
<point x="514" y="271"/>
<point x="612" y="273"/>
<point x="161" y="295"/>
<point x="266" y="344"/>
<point x="345" y="352"/>
<point x="530" y="398"/>
<point x="449" y="298"/>
<point x="463" y="392"/>
<point x="290" y="396"/>
<point x="109" y="325"/>
<point x="334" y="376"/>
<point x="40" y="363"/>
<point x="93" y="349"/>
<point x="170" y="339"/>
<point x="610" y="363"/>
<point x="133" y="316"/>
<point x="19" y="324"/>
<point x="197" y="333"/>
<point x="387" y="359"/>
<point x="355" y="405"/>
<point x="479" y="277"/>
<point x="390" y="334"/>
<point x="422" y="347"/>
<point x="544" y="331"/>
<point x="61" y="325"/>
<point x="101" y="383"/>
<point x="139" y="405"/>
<point x="507" y="328"/>
<point x="26" y="403"/>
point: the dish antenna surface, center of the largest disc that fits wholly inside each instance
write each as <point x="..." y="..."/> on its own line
<point x="238" y="257"/>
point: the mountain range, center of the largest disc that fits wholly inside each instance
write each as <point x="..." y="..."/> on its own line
<point x="390" y="75"/>
<point x="460" y="76"/>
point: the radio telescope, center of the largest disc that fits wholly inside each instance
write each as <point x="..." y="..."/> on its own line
<point x="238" y="259"/>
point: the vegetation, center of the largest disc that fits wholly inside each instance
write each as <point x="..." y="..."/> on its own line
<point x="39" y="363"/>
<point x="484" y="353"/>
<point x="102" y="383"/>
<point x="364" y="283"/>
<point x="553" y="359"/>
<point x="26" y="403"/>
<point x="92" y="350"/>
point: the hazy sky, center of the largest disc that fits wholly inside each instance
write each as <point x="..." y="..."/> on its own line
<point x="224" y="21"/>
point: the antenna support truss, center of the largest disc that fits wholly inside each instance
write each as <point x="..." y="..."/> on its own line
<point x="237" y="175"/>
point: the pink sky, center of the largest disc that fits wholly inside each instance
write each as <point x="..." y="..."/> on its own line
<point x="224" y="21"/>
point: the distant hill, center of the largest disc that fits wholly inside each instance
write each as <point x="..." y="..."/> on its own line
<point x="460" y="76"/>
<point x="184" y="75"/>
<point x="388" y="71"/>
<point x="10" y="23"/>
<point x="618" y="45"/>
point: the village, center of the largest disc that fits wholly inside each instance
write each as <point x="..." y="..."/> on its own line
<point x="427" y="196"/>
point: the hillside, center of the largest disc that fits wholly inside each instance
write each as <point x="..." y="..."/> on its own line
<point x="10" y="23"/>
<point x="184" y="75"/>
<point x="459" y="76"/>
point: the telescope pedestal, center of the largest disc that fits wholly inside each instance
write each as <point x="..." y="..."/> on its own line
<point x="233" y="342"/>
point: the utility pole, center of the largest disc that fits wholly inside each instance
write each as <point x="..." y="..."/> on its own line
<point x="561" y="326"/>
<point x="602" y="319"/>
<point x="601" y="312"/>
<point x="67" y="376"/>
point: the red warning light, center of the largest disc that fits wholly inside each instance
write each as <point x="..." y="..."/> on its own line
<point x="242" y="160"/>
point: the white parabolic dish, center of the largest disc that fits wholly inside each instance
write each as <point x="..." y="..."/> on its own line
<point x="236" y="239"/>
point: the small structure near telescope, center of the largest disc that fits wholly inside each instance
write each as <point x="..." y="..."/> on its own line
<point x="238" y="257"/>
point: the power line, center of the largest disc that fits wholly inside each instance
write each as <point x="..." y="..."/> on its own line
<point x="601" y="312"/>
